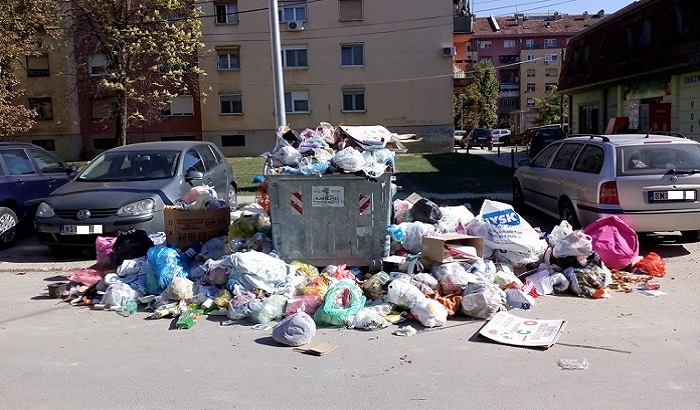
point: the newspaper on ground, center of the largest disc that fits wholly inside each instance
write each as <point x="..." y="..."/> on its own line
<point x="509" y="329"/>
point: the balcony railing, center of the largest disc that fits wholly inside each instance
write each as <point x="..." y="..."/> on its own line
<point x="463" y="24"/>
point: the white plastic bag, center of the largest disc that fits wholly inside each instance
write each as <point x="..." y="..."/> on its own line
<point x="576" y="244"/>
<point x="430" y="313"/>
<point x="349" y="159"/>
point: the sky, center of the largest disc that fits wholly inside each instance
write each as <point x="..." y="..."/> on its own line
<point x="484" y="8"/>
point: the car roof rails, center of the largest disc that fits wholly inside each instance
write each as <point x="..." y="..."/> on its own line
<point x="590" y="136"/>
<point x="666" y="133"/>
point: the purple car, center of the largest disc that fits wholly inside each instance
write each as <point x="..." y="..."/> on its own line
<point x="27" y="174"/>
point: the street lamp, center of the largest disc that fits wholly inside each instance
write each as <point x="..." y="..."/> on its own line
<point x="277" y="76"/>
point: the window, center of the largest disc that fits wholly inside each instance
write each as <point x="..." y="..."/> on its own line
<point x="192" y="161"/>
<point x="542" y="159"/>
<point x="485" y="44"/>
<point x="565" y="156"/>
<point x="530" y="102"/>
<point x="228" y="58"/>
<point x="210" y="160"/>
<point x="350" y="10"/>
<point x="550" y="42"/>
<point x="354" y="100"/>
<point x="550" y="57"/>
<point x="49" y="145"/>
<point x="531" y="87"/>
<point x="47" y="163"/>
<point x="508" y="43"/>
<point x="551" y="72"/>
<point x="38" y="66"/>
<point x="294" y="57"/>
<point x="227" y="13"/>
<point x="352" y="54"/>
<point x="102" y="108"/>
<point x="17" y="161"/>
<point x="181" y="105"/>
<point x="233" y="140"/>
<point x="530" y="72"/>
<point x="42" y="106"/>
<point x="550" y="87"/>
<point x="292" y="10"/>
<point x="296" y="101"/>
<point x="98" y="64"/>
<point x="530" y="43"/>
<point x="230" y="104"/>
<point x="487" y="58"/>
<point x="590" y="160"/>
<point x="530" y="57"/>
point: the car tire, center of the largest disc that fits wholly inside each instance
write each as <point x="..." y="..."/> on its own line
<point x="8" y="227"/>
<point x="518" y="197"/>
<point x="568" y="213"/>
<point x="232" y="197"/>
<point x="691" y="236"/>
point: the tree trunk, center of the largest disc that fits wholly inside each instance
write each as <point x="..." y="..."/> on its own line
<point x="122" y="119"/>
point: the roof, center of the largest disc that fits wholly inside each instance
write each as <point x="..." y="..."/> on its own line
<point x="519" y="24"/>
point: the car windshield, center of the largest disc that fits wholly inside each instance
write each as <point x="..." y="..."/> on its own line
<point x="658" y="158"/>
<point x="482" y="133"/>
<point x="130" y="166"/>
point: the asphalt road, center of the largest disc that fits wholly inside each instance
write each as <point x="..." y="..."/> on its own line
<point x="643" y="353"/>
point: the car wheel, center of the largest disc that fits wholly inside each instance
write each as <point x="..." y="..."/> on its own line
<point x="490" y="147"/>
<point x="8" y="227"/>
<point x="518" y="197"/>
<point x="568" y="213"/>
<point x="691" y="236"/>
<point x="232" y="197"/>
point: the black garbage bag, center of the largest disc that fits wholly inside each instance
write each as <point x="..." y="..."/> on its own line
<point x="131" y="244"/>
<point x="426" y="211"/>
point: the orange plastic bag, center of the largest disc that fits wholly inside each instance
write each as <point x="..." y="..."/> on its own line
<point x="651" y="264"/>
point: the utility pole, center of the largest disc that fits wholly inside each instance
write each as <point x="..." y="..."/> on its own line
<point x="277" y="76"/>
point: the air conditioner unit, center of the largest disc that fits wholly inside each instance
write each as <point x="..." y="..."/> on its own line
<point x="295" y="25"/>
<point x="449" y="51"/>
<point x="546" y="61"/>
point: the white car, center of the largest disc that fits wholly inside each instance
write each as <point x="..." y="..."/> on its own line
<point x="501" y="135"/>
<point x="650" y="181"/>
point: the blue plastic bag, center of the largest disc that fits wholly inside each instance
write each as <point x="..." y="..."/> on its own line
<point x="166" y="264"/>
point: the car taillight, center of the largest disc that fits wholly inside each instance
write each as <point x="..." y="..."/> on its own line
<point x="608" y="193"/>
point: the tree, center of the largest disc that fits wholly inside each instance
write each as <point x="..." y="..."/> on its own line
<point x="24" y="25"/>
<point x="552" y="108"/>
<point x="476" y="105"/>
<point x="142" y="51"/>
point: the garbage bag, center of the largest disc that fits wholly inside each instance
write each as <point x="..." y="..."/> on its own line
<point x="481" y="300"/>
<point x="131" y="244"/>
<point x="179" y="289"/>
<point x="118" y="294"/>
<point x="342" y="301"/>
<point x="272" y="308"/>
<point x="403" y="294"/>
<point x="427" y="211"/>
<point x="258" y="270"/>
<point x="430" y="313"/>
<point x="614" y="241"/>
<point x="166" y="264"/>
<point x="295" y="330"/>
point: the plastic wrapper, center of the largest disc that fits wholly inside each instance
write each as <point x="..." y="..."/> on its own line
<point x="295" y="330"/>
<point x="452" y="277"/>
<point x="118" y="294"/>
<point x="430" y="313"/>
<point x="342" y="301"/>
<point x="349" y="159"/>
<point x="179" y="289"/>
<point x="271" y="308"/>
<point x="481" y="300"/>
<point x="368" y="318"/>
<point x="402" y="293"/>
<point x="303" y="303"/>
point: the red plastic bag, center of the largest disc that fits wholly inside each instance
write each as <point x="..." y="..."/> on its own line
<point x="651" y="264"/>
<point x="614" y="241"/>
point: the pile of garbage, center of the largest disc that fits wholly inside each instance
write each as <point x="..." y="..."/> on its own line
<point x="240" y="277"/>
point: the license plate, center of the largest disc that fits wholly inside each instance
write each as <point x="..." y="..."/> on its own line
<point x="80" y="229"/>
<point x="660" y="196"/>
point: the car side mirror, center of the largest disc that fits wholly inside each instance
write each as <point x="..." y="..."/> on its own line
<point x="194" y="175"/>
<point x="71" y="169"/>
<point x="523" y="162"/>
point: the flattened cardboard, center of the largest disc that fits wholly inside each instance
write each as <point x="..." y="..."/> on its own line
<point x="187" y="227"/>
<point x="316" y="348"/>
<point x="435" y="247"/>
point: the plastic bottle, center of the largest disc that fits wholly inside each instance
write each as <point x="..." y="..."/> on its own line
<point x="573" y="364"/>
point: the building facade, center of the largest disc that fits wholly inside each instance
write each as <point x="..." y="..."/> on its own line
<point x="638" y="71"/>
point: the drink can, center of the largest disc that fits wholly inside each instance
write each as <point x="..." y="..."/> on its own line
<point x="652" y="285"/>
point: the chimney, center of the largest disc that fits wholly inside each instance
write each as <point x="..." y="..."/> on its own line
<point x="601" y="13"/>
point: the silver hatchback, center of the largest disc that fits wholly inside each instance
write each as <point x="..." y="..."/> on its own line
<point x="649" y="181"/>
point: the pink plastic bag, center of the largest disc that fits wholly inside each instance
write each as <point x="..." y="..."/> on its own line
<point x="614" y="241"/>
<point x="103" y="250"/>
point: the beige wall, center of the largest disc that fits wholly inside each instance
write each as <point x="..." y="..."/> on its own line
<point x="540" y="80"/>
<point x="407" y="80"/>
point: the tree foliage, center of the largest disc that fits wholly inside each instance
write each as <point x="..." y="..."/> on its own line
<point x="24" y="25"/>
<point x="149" y="50"/>
<point x="552" y="108"/>
<point x="476" y="105"/>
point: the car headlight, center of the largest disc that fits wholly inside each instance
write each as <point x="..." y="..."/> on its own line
<point x="142" y="207"/>
<point x="44" y="211"/>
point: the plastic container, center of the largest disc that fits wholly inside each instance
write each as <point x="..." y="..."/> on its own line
<point x="56" y="289"/>
<point x="331" y="219"/>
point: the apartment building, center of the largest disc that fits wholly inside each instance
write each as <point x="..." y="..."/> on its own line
<point x="345" y="62"/>
<point x="526" y="50"/>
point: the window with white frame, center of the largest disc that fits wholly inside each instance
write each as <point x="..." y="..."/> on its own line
<point x="550" y="42"/>
<point x="530" y="102"/>
<point x="530" y="72"/>
<point x="98" y="64"/>
<point x="550" y="57"/>
<point x="295" y="57"/>
<point x="226" y="12"/>
<point x="292" y="10"/>
<point x="354" y="100"/>
<point x="42" y="106"/>
<point x="231" y="103"/>
<point x="487" y="58"/>
<point x="530" y="87"/>
<point x="350" y="10"/>
<point x="485" y="44"/>
<point x="228" y="58"/>
<point x="352" y="54"/>
<point x="529" y="43"/>
<point x="182" y="105"/>
<point x="508" y="43"/>
<point x="38" y="65"/>
<point x="296" y="102"/>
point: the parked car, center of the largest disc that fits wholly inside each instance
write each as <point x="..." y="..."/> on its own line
<point x="458" y="135"/>
<point x="524" y="137"/>
<point x="27" y="174"/>
<point x="650" y="181"/>
<point x="543" y="136"/>
<point x="501" y="135"/>
<point x="478" y="137"/>
<point x="128" y="187"/>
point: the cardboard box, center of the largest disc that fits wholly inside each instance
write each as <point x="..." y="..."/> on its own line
<point x="435" y="248"/>
<point x="187" y="227"/>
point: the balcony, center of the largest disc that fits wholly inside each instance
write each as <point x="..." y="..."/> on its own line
<point x="463" y="24"/>
<point x="463" y="71"/>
